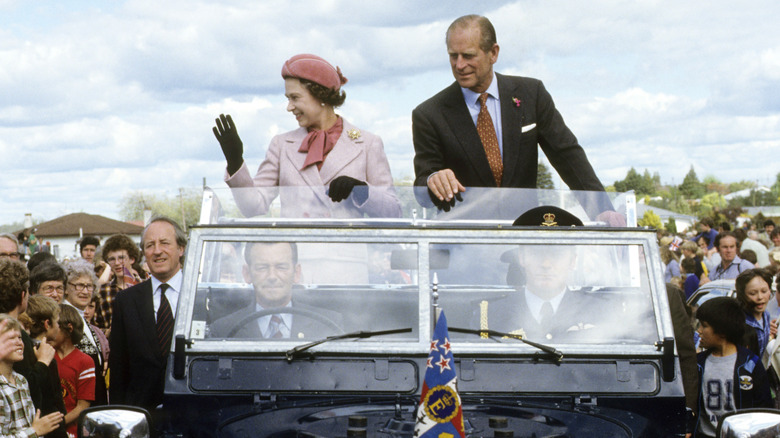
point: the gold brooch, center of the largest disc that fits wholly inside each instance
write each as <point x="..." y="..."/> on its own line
<point x="353" y="134"/>
<point x="549" y="220"/>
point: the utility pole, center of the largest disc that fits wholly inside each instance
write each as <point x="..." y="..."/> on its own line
<point x="181" y="205"/>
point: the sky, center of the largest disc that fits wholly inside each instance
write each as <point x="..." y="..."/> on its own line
<point x="102" y="98"/>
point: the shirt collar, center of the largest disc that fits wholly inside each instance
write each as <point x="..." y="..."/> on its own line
<point x="535" y="302"/>
<point x="263" y="322"/>
<point x="174" y="282"/>
<point x="472" y="96"/>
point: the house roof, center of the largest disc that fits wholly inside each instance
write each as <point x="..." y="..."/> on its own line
<point x="88" y="224"/>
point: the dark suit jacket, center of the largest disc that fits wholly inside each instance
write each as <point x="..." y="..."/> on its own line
<point x="302" y="326"/>
<point x="136" y="363"/>
<point x="445" y="137"/>
<point x="578" y="317"/>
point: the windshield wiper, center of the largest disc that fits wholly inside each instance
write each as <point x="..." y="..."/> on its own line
<point x="360" y="334"/>
<point x="491" y="333"/>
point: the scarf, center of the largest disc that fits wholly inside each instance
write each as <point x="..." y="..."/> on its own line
<point x="318" y="143"/>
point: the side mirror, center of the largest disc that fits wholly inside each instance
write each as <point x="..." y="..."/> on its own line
<point x="750" y="423"/>
<point x="114" y="421"/>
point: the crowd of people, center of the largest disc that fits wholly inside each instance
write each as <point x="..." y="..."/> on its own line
<point x="97" y="330"/>
<point x="738" y="355"/>
<point x="66" y="342"/>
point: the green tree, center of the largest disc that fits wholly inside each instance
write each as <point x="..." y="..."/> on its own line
<point x="691" y="187"/>
<point x="641" y="184"/>
<point x="776" y="189"/>
<point x="711" y="204"/>
<point x="543" y="177"/>
<point x="741" y="185"/>
<point x="713" y="184"/>
<point x="16" y="226"/>
<point x="183" y="207"/>
<point x="671" y="225"/>
<point x="650" y="219"/>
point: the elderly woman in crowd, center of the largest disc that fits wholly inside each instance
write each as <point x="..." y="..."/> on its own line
<point x="81" y="284"/>
<point x="327" y="153"/>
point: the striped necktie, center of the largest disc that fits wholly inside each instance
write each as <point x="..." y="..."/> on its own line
<point x="274" y="328"/>
<point x="164" y="321"/>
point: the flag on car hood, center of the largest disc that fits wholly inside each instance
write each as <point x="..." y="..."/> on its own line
<point x="440" y="411"/>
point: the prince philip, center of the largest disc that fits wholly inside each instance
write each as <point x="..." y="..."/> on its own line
<point x="483" y="130"/>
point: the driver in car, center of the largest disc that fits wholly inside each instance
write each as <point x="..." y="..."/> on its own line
<point x="544" y="308"/>
<point x="273" y="269"/>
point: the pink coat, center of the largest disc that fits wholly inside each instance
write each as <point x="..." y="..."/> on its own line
<point x="359" y="154"/>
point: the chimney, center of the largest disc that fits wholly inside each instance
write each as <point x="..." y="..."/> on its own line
<point x="28" y="220"/>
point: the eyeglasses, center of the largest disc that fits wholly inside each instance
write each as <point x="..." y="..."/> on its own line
<point x="49" y="289"/>
<point x="10" y="255"/>
<point x="80" y="286"/>
<point x="120" y="259"/>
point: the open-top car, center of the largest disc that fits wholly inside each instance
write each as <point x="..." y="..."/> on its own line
<point x="347" y="353"/>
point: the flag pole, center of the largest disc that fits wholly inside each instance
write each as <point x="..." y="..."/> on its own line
<point x="435" y="295"/>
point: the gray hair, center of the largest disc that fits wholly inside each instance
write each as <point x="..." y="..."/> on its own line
<point x="10" y="237"/>
<point x="486" y="30"/>
<point x="80" y="268"/>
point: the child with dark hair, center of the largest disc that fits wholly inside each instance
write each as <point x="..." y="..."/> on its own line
<point x="749" y="255"/>
<point x="42" y="319"/>
<point x="688" y="270"/>
<point x="731" y="376"/>
<point x="77" y="370"/>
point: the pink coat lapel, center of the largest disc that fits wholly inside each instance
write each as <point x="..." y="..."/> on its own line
<point x="344" y="152"/>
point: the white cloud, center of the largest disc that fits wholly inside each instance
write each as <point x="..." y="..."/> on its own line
<point x="100" y="99"/>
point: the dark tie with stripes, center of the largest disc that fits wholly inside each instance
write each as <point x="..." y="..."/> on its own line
<point x="275" y="327"/>
<point x="164" y="321"/>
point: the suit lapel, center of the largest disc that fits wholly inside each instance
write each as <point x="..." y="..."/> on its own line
<point x="511" y="126"/>
<point x="252" y="328"/>
<point x="145" y="309"/>
<point x="456" y="113"/>
<point x="344" y="152"/>
<point x="310" y="175"/>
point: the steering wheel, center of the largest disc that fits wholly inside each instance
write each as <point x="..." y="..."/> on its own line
<point x="291" y="310"/>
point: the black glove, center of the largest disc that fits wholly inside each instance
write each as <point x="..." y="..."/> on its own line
<point x="342" y="186"/>
<point x="231" y="144"/>
<point x="444" y="204"/>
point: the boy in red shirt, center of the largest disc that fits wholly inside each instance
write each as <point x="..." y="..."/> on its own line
<point x="77" y="370"/>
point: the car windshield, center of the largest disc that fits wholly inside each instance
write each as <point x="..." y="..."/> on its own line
<point x="404" y="203"/>
<point x="265" y="285"/>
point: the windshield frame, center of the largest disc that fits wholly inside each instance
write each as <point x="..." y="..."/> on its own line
<point x="424" y="236"/>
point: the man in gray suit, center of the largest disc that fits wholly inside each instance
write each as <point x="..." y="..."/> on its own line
<point x="273" y="269"/>
<point x="457" y="145"/>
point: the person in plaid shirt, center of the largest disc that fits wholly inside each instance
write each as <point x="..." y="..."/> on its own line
<point x="18" y="416"/>
<point x="120" y="252"/>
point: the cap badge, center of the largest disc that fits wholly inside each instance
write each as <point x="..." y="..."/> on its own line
<point x="549" y="220"/>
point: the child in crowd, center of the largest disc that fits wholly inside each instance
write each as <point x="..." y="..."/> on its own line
<point x="731" y="376"/>
<point x="77" y="370"/>
<point x="691" y="250"/>
<point x="749" y="255"/>
<point x="89" y="311"/>
<point x="41" y="318"/>
<point x="753" y="294"/>
<point x="89" y="316"/>
<point x="688" y="271"/>
<point x="18" y="416"/>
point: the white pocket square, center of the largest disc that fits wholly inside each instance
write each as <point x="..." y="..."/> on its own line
<point x="527" y="128"/>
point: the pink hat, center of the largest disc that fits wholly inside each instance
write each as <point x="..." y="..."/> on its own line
<point x="315" y="69"/>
